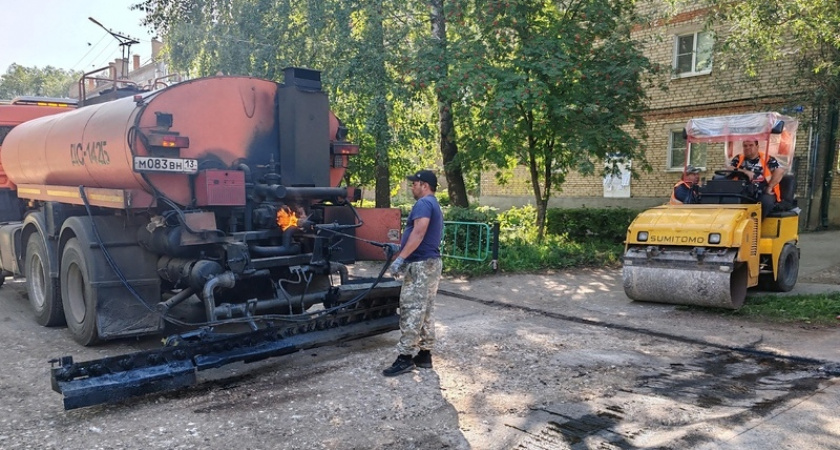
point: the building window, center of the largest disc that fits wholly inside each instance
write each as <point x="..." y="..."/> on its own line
<point x="693" y="53"/>
<point x="676" y="152"/>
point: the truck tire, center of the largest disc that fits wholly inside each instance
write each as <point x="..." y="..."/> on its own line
<point x="44" y="292"/>
<point x="788" y="270"/>
<point x="77" y="295"/>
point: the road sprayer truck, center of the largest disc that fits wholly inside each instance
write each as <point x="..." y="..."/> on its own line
<point x="210" y="212"/>
<point x="710" y="253"/>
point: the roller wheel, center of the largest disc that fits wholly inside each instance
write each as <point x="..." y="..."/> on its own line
<point x="77" y="295"/>
<point x="788" y="270"/>
<point x="44" y="292"/>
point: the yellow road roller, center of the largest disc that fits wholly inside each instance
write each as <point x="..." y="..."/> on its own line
<point x="711" y="252"/>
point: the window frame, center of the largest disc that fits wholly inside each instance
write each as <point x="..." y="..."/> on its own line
<point x="672" y="132"/>
<point x="695" y="34"/>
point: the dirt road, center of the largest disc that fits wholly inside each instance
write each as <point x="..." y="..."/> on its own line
<point x="559" y="360"/>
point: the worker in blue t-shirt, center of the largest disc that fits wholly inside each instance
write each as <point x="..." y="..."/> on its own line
<point x="686" y="191"/>
<point x="418" y="260"/>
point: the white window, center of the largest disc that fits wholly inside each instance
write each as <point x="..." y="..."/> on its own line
<point x="693" y="53"/>
<point x="676" y="152"/>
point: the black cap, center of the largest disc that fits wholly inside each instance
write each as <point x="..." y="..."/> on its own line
<point x="426" y="176"/>
<point x="691" y="169"/>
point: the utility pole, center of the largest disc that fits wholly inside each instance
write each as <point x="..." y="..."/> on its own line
<point x="125" y="45"/>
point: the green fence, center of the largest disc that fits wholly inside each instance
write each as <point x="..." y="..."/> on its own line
<point x="469" y="241"/>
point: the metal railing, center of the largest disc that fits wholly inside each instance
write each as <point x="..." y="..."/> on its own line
<point x="471" y="241"/>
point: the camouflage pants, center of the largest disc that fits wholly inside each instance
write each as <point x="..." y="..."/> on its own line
<point x="417" y="306"/>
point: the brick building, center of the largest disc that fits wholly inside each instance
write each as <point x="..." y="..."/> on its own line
<point x="151" y="75"/>
<point x="697" y="87"/>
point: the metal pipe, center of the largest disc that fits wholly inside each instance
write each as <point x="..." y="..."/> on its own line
<point x="495" y="262"/>
<point x="227" y="310"/>
<point x="228" y="280"/>
<point x="175" y="300"/>
<point x="341" y="269"/>
<point x="288" y="248"/>
<point x="271" y="190"/>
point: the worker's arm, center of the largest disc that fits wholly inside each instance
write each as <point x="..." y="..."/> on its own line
<point x="421" y="224"/>
<point x="748" y="173"/>
<point x="775" y="178"/>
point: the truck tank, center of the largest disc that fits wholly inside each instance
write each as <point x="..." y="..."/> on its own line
<point x="155" y="142"/>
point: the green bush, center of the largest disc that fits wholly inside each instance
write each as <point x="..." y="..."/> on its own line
<point x="519" y="250"/>
<point x="524" y="217"/>
<point x="607" y="224"/>
<point x="483" y="214"/>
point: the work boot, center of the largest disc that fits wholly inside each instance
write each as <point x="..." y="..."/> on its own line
<point x="423" y="359"/>
<point x="402" y="365"/>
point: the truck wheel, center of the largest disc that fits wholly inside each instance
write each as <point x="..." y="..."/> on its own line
<point x="788" y="270"/>
<point x="44" y="292"/>
<point x="77" y="295"/>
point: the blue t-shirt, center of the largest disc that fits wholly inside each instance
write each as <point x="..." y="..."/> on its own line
<point x="686" y="194"/>
<point x="430" y="246"/>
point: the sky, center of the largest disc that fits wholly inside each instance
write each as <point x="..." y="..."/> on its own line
<point x="58" y="33"/>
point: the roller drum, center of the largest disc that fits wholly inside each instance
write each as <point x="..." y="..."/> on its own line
<point x="686" y="287"/>
<point x="679" y="278"/>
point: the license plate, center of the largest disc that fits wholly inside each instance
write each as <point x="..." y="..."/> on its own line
<point x="157" y="164"/>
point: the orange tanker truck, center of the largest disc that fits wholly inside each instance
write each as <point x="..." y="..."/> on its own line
<point x="12" y="114"/>
<point x="205" y="207"/>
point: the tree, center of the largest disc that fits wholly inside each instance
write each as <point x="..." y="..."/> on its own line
<point x="805" y="32"/>
<point x="354" y="44"/>
<point x="554" y="85"/>
<point x="47" y="82"/>
<point x="447" y="142"/>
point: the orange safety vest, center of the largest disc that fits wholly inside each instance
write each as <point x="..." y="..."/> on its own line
<point x="674" y="200"/>
<point x="767" y="173"/>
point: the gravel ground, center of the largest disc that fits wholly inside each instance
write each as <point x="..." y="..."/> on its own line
<point x="504" y="377"/>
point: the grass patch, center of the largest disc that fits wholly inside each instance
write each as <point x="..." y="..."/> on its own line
<point x="521" y="254"/>
<point x="816" y="309"/>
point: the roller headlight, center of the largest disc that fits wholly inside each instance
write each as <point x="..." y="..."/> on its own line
<point x="714" y="238"/>
<point x="642" y="236"/>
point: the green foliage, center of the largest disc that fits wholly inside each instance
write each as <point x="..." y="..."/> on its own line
<point x="443" y="198"/>
<point x="517" y="253"/>
<point x="811" y="309"/>
<point x="524" y="217"/>
<point x="48" y="82"/>
<point x="481" y="214"/>
<point x="520" y="251"/>
<point x="761" y="33"/>
<point x="608" y="224"/>
<point x="557" y="86"/>
<point x="551" y="85"/>
<point x="359" y="48"/>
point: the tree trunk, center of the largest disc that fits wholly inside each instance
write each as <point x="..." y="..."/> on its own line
<point x="540" y="201"/>
<point x="447" y="139"/>
<point x="381" y="129"/>
<point x="830" y="156"/>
